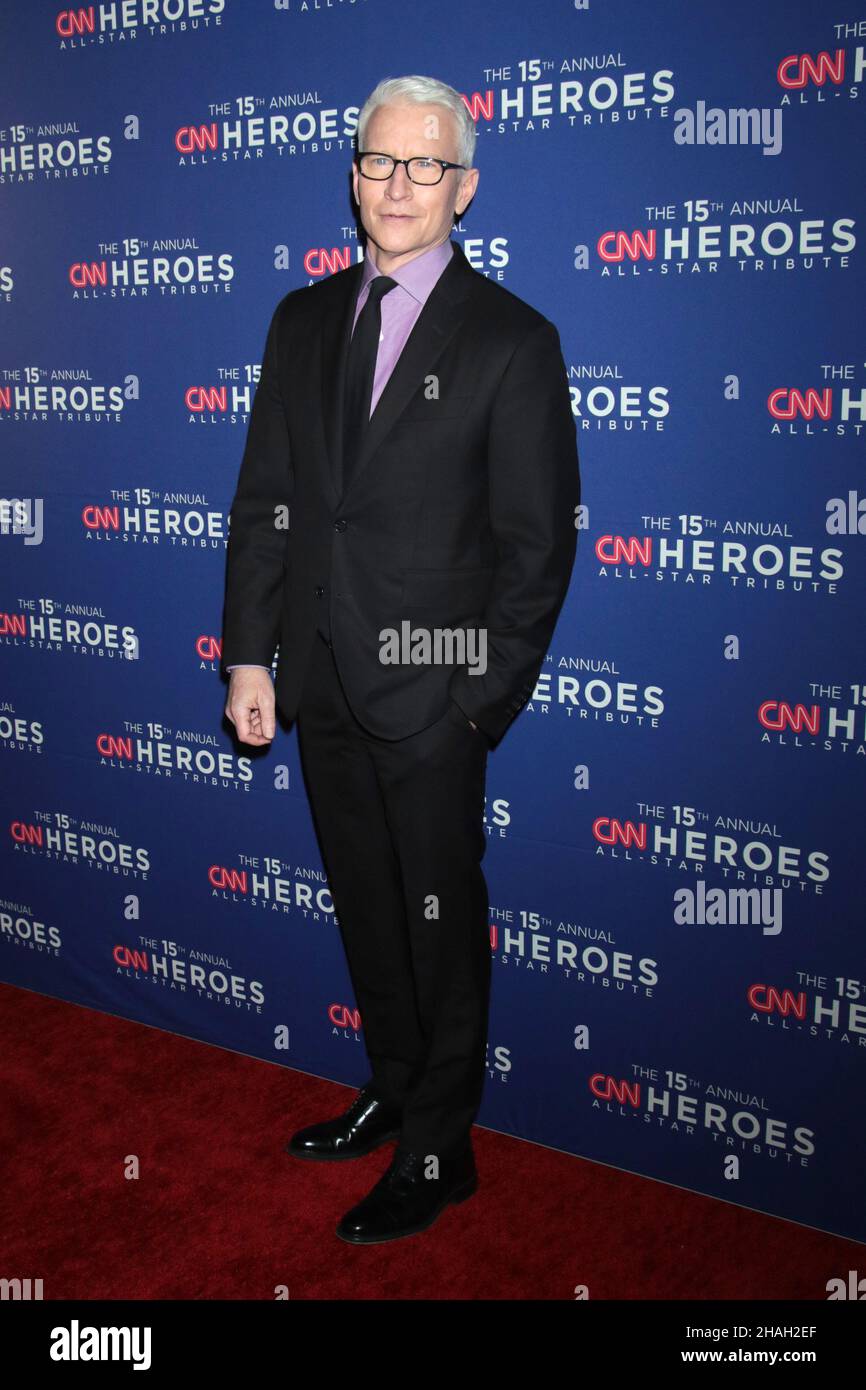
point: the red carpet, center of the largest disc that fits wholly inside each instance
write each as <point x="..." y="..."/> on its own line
<point x="219" y="1211"/>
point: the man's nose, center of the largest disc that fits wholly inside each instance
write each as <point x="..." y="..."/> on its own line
<point x="399" y="184"/>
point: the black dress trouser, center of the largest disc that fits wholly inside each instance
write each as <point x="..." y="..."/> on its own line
<point x="401" y="832"/>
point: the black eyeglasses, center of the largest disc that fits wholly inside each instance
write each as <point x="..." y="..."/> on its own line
<point x="421" y="168"/>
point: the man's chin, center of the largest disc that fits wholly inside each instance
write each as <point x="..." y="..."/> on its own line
<point x="394" y="239"/>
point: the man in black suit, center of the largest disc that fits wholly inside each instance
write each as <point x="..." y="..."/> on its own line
<point x="409" y="482"/>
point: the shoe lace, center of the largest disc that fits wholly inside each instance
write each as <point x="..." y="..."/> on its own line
<point x="404" y="1164"/>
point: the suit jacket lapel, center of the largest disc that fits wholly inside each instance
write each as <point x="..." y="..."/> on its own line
<point x="438" y="321"/>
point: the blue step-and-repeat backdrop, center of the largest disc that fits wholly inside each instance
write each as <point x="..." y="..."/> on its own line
<point x="675" y="822"/>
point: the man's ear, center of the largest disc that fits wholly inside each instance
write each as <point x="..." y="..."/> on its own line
<point x="470" y="181"/>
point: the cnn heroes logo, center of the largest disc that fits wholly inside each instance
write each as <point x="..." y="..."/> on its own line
<point x="81" y="25"/>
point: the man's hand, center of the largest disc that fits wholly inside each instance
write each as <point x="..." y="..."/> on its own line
<point x="251" y="705"/>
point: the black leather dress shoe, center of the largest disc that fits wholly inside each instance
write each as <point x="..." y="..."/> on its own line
<point x="404" y="1201"/>
<point x="367" y="1123"/>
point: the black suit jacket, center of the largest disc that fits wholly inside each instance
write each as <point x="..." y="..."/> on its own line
<point x="460" y="512"/>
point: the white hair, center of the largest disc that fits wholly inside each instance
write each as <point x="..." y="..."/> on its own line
<point x="421" y="91"/>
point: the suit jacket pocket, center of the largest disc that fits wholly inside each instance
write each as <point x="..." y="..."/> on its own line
<point x="428" y="411"/>
<point x="452" y="590"/>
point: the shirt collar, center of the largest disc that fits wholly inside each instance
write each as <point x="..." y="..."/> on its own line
<point x="417" y="276"/>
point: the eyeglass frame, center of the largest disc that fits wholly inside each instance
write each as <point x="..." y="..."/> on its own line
<point x="445" y="165"/>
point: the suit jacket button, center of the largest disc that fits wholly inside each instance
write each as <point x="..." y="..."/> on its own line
<point x="318" y="591"/>
<point x="340" y="525"/>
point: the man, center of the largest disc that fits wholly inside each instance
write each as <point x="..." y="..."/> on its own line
<point x="410" y="468"/>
